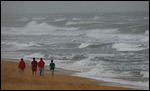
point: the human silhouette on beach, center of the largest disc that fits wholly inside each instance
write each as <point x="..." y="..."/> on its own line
<point x="34" y="66"/>
<point x="52" y="67"/>
<point x="41" y="66"/>
<point x="22" y="65"/>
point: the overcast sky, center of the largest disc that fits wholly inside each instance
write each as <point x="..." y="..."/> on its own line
<point x="72" y="6"/>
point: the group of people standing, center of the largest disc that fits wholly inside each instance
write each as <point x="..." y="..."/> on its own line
<point x="35" y="64"/>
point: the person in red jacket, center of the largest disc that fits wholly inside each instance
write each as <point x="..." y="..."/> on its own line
<point x="41" y="66"/>
<point x="22" y="65"/>
<point x="34" y="66"/>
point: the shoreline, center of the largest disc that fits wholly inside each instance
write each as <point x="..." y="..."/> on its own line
<point x="60" y="76"/>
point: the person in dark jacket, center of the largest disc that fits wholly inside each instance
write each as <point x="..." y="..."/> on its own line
<point x="52" y="67"/>
<point x="34" y="66"/>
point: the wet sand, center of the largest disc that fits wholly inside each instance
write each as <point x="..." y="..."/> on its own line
<point x="12" y="79"/>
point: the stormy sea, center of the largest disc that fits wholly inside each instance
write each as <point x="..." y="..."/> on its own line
<point x="112" y="47"/>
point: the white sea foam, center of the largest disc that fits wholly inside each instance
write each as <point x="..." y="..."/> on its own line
<point x="145" y="74"/>
<point x="34" y="55"/>
<point x="96" y="17"/>
<point x="145" y="39"/>
<point x="112" y="67"/>
<point x="127" y="47"/>
<point x="81" y="22"/>
<point x="132" y="20"/>
<point x="103" y="33"/>
<point x="23" y="19"/>
<point x="83" y="45"/>
<point x="146" y="32"/>
<point x="101" y="72"/>
<point x="70" y="23"/>
<point x="20" y="45"/>
<point x="109" y="76"/>
<point x="75" y="18"/>
<point x="34" y="28"/>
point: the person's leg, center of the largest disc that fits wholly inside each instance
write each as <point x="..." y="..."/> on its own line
<point x="42" y="71"/>
<point x="22" y="69"/>
<point x="52" y="74"/>
<point x="35" y="72"/>
<point x="52" y="71"/>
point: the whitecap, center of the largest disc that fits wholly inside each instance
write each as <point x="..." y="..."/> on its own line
<point x="83" y="45"/>
<point x="23" y="19"/>
<point x="75" y="18"/>
<point x="146" y="32"/>
<point x="103" y="33"/>
<point x="34" y="55"/>
<point x="127" y="47"/>
<point x="34" y="28"/>
<point x="96" y="17"/>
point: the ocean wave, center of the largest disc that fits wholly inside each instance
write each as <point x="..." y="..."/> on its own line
<point x="146" y="18"/>
<point x="101" y="72"/>
<point x="85" y="62"/>
<point x="144" y="39"/>
<point x="97" y="17"/>
<point x="34" y="55"/>
<point x="38" y="18"/>
<point x="45" y="27"/>
<point x="56" y="57"/>
<point x="79" y="57"/>
<point x="145" y="74"/>
<point x="127" y="47"/>
<point x="70" y="23"/>
<point x="81" y="22"/>
<point x="146" y="32"/>
<point x="91" y="45"/>
<point x="103" y="33"/>
<point x="76" y="19"/>
<point x="60" y="19"/>
<point x="83" y="45"/>
<point x="90" y="68"/>
<point x="122" y="23"/>
<point x="34" y="28"/>
<point x="108" y="76"/>
<point x="22" y="45"/>
<point x="133" y="20"/>
<point x="23" y="19"/>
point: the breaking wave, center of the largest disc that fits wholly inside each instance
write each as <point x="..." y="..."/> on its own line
<point x="34" y="28"/>
<point x="127" y="47"/>
<point x="22" y="45"/>
<point x="81" y="22"/>
<point x="103" y="33"/>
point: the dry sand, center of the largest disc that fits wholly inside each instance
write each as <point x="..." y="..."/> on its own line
<point x="12" y="79"/>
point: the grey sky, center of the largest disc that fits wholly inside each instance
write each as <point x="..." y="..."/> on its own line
<point x="72" y="6"/>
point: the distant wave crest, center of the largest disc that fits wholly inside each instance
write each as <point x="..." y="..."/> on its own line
<point x="34" y="28"/>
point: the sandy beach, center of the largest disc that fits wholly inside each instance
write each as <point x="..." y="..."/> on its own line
<point x="11" y="79"/>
